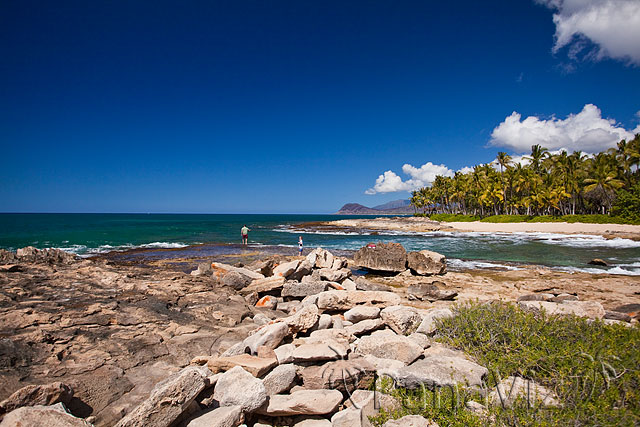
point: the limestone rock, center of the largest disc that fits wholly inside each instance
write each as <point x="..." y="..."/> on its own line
<point x="239" y="387"/>
<point x="269" y="336"/>
<point x="256" y="366"/>
<point x="612" y="315"/>
<point x="267" y="301"/>
<point x="302" y="320"/>
<point x="304" y="268"/>
<point x="344" y="300"/>
<point x="303" y="402"/>
<point x="313" y="422"/>
<point x="320" y="258"/>
<point x="221" y="269"/>
<point x="324" y="321"/>
<point x="301" y="290"/>
<point x="389" y="257"/>
<point x="284" y="353"/>
<point x="361" y="312"/>
<point x="439" y="371"/>
<point x="334" y="275"/>
<point x="402" y="319"/>
<point x="589" y="309"/>
<point x="365" y="326"/>
<point x="288" y="307"/>
<point x="286" y="269"/>
<point x="32" y="395"/>
<point x="363" y="284"/>
<point x="388" y="345"/>
<point x="329" y="350"/>
<point x="224" y="416"/>
<point x="349" y="285"/>
<point x="427" y="263"/>
<point x="380" y="364"/>
<point x="264" y="285"/>
<point x="509" y="389"/>
<point x="168" y="399"/>
<point x="40" y="415"/>
<point x="204" y="269"/>
<point x="343" y="375"/>
<point x="279" y="380"/>
<point x="341" y="336"/>
<point x="430" y="292"/>
<point x="236" y="280"/>
<point x="428" y="324"/>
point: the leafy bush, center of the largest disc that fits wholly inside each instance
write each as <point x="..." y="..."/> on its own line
<point x="593" y="368"/>
<point x="628" y="203"/>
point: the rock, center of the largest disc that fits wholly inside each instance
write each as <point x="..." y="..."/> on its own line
<point x="438" y="371"/>
<point x="204" y="269"/>
<point x="437" y="349"/>
<point x="220" y="269"/>
<point x="509" y="389"/>
<point x="387" y="345"/>
<point x="337" y="322"/>
<point x="252" y="298"/>
<point x="402" y="319"/>
<point x="256" y="366"/>
<point x="284" y="353"/>
<point x="269" y="336"/>
<point x="379" y="363"/>
<point x="281" y="379"/>
<point x="341" y="336"/>
<point x="302" y="320"/>
<point x="427" y="263"/>
<point x="329" y="350"/>
<point x="32" y="395"/>
<point x="40" y="415"/>
<point x="303" y="402"/>
<point x="236" y="280"/>
<point x="363" y="284"/>
<point x="224" y="416"/>
<point x="260" y="319"/>
<point x="288" y="307"/>
<point x="343" y="375"/>
<point x="304" y="268"/>
<point x="267" y="301"/>
<point x="589" y="309"/>
<point x="264" y="267"/>
<point x="531" y="297"/>
<point x="313" y="422"/>
<point x="365" y="326"/>
<point x="263" y="285"/>
<point x="324" y="321"/>
<point x="239" y="387"/>
<point x="410" y="421"/>
<point x="334" y="275"/>
<point x="598" y="261"/>
<point x="320" y="258"/>
<point x="344" y="300"/>
<point x="564" y="297"/>
<point x="349" y="285"/>
<point x="430" y="292"/>
<point x="387" y="257"/>
<point x="168" y="399"/>
<point x="50" y="256"/>
<point x="301" y="290"/>
<point x="428" y="324"/>
<point x="613" y="315"/>
<point x="420" y="339"/>
<point x="286" y="269"/>
<point x="361" y="312"/>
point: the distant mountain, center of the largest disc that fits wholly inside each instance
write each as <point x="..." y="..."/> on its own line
<point x="393" y="204"/>
<point x="397" y="207"/>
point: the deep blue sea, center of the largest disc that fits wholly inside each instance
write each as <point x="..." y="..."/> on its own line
<point x="90" y="234"/>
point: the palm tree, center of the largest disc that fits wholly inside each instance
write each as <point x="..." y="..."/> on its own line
<point x="603" y="179"/>
<point x="538" y="153"/>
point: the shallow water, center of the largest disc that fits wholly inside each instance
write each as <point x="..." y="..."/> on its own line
<point x="88" y="234"/>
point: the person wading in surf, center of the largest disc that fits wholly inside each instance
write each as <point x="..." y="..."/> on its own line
<point x="244" y="231"/>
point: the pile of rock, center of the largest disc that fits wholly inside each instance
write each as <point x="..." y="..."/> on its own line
<point x="393" y="258"/>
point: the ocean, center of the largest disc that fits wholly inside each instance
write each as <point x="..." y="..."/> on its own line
<point x="93" y="234"/>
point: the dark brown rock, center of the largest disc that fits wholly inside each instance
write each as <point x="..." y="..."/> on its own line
<point x="598" y="261"/>
<point x="32" y="395"/>
<point x="385" y="257"/>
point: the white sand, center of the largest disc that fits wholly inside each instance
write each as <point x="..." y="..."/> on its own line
<point x="545" y="227"/>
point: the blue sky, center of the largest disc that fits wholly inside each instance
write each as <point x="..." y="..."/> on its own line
<point x="296" y="106"/>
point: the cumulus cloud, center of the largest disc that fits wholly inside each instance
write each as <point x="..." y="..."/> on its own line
<point x="586" y="131"/>
<point x="613" y="26"/>
<point x="420" y="177"/>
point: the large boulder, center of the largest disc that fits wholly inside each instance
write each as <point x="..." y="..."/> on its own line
<point x="365" y="326"/>
<point x="264" y="285"/>
<point x="168" y="399"/>
<point x="303" y="319"/>
<point x="428" y="324"/>
<point x="387" y="257"/>
<point x="32" y="395"/>
<point x="239" y="387"/>
<point x="39" y="415"/>
<point x="427" y="263"/>
<point x="286" y="269"/>
<point x="302" y="402"/>
<point x="281" y="379"/>
<point x="334" y="275"/>
<point x="236" y="280"/>
<point x="401" y="319"/>
<point x="388" y="345"/>
<point x="269" y="336"/>
<point x="320" y="258"/>
<point x="438" y="371"/>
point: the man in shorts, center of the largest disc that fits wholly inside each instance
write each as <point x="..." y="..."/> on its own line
<point x="245" y="234"/>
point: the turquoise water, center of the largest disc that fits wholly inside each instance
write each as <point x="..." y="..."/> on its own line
<point x="88" y="234"/>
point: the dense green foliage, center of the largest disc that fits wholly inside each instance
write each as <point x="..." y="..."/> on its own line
<point x="588" y="219"/>
<point x="550" y="184"/>
<point x="593" y="368"/>
<point x="628" y="203"/>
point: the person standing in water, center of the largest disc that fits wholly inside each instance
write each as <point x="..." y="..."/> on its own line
<point x="300" y="245"/>
<point x="244" y="231"/>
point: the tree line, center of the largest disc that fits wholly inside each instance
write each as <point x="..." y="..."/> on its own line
<point x="550" y="184"/>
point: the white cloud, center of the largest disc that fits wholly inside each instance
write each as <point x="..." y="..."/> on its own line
<point x="420" y="177"/>
<point x="465" y="169"/>
<point x="586" y="131"/>
<point x="612" y="25"/>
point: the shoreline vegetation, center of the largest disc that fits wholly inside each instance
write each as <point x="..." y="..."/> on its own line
<point x="545" y="184"/>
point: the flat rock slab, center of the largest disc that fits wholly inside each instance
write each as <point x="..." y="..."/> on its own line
<point x="168" y="399"/>
<point x="345" y="300"/>
<point x="589" y="309"/>
<point x="388" y="345"/>
<point x="439" y="371"/>
<point x="256" y="366"/>
<point x="228" y="268"/>
<point x="225" y="416"/>
<point x="263" y="285"/>
<point x="303" y="402"/>
<point x="303" y="289"/>
<point x="320" y="351"/>
<point x="286" y="268"/>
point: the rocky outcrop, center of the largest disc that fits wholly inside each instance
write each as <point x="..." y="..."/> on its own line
<point x="427" y="263"/>
<point x="385" y="257"/>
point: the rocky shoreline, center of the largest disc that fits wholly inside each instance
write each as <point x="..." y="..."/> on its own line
<point x="250" y="342"/>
